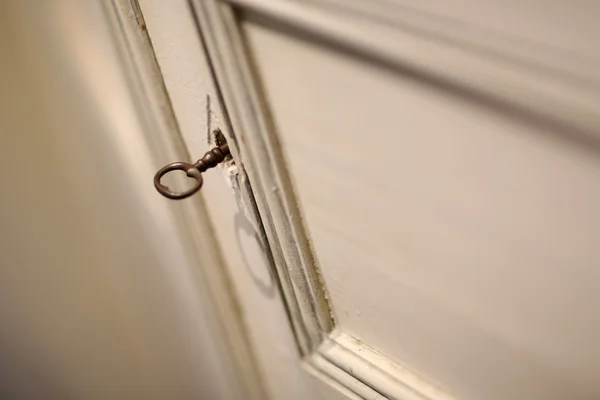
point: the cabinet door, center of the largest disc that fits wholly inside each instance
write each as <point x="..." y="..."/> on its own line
<point x="423" y="181"/>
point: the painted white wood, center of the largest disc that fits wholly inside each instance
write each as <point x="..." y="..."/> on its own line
<point x="509" y="71"/>
<point x="456" y="236"/>
<point x="299" y="280"/>
<point x="106" y="289"/>
<point x="195" y="101"/>
<point x="368" y="372"/>
<point x="258" y="155"/>
<point x="452" y="138"/>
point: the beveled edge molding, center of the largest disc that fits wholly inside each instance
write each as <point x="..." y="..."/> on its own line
<point x="369" y="374"/>
<point x="255" y="150"/>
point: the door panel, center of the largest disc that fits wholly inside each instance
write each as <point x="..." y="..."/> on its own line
<point x="453" y="237"/>
<point x="418" y="181"/>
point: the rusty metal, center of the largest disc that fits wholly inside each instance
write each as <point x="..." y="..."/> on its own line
<point x="211" y="159"/>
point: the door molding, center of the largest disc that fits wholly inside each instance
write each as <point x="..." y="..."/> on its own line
<point x="324" y="350"/>
<point x="237" y="362"/>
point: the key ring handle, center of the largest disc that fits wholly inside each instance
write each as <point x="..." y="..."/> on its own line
<point x="190" y="171"/>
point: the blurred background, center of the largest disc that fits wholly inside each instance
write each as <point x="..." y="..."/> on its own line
<point x="98" y="292"/>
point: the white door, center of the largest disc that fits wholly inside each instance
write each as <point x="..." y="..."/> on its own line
<point x="412" y="211"/>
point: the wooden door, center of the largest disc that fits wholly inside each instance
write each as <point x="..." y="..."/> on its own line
<point x="412" y="210"/>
